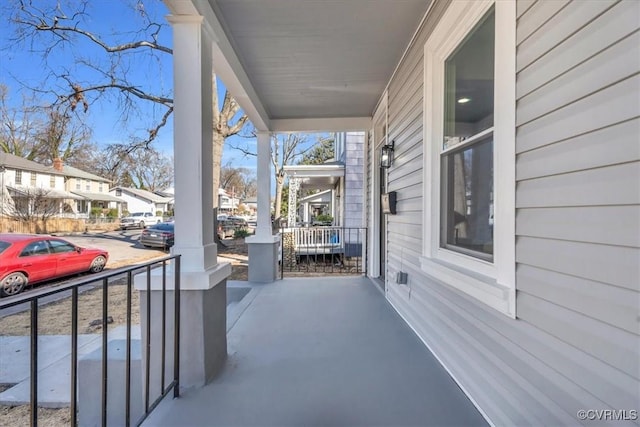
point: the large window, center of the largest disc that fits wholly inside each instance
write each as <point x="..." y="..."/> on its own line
<point x="469" y="137"/>
<point x="467" y="148"/>
<point x="467" y="199"/>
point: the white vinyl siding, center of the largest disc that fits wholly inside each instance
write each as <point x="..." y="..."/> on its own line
<point x="575" y="343"/>
<point x="578" y="186"/>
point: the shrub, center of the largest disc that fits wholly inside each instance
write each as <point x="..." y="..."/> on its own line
<point x="241" y="233"/>
<point x="159" y="213"/>
<point x="96" y="212"/>
<point x="113" y="213"/>
<point x="324" y="218"/>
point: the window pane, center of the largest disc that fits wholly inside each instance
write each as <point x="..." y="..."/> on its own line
<point x="467" y="199"/>
<point x="35" y="248"/>
<point x="59" y="246"/>
<point x="468" y="97"/>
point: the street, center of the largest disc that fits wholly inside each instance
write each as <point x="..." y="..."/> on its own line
<point x="123" y="246"/>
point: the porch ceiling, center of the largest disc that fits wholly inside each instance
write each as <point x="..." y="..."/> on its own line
<point x="317" y="177"/>
<point x="289" y="60"/>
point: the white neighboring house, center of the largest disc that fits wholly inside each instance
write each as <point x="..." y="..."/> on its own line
<point x="137" y="200"/>
<point x="251" y="204"/>
<point x="340" y="181"/>
<point x="315" y="204"/>
<point x="227" y="202"/>
<point x="93" y="189"/>
<point x="170" y="194"/>
<point x="21" y="180"/>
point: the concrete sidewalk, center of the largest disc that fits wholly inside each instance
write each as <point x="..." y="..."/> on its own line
<point x="54" y="365"/>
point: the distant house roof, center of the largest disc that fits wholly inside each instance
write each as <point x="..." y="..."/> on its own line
<point x="79" y="173"/>
<point x="16" y="162"/>
<point x="48" y="193"/>
<point x="100" y="197"/>
<point x="164" y="193"/>
<point x="144" y="194"/>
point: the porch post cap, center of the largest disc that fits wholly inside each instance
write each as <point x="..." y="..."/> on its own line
<point x="263" y="239"/>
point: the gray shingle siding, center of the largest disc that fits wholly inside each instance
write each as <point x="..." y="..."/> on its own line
<point x="354" y="180"/>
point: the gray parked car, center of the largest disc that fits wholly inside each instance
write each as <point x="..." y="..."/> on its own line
<point x="158" y="235"/>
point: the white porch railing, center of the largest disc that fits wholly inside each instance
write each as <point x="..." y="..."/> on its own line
<point x="332" y="250"/>
<point x="318" y="240"/>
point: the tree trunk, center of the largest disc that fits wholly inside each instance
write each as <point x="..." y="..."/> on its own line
<point x="278" y="204"/>
<point x="218" y="143"/>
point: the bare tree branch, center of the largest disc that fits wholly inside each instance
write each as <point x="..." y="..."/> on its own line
<point x="243" y="150"/>
<point x="236" y="128"/>
<point x="110" y="66"/>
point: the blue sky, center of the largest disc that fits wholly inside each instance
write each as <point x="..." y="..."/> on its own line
<point x="25" y="65"/>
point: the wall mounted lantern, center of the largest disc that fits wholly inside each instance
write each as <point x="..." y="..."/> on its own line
<point x="386" y="156"/>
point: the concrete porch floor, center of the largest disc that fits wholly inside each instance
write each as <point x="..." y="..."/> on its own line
<point x="322" y="352"/>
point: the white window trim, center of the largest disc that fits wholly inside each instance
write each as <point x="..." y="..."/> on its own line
<point x="381" y="116"/>
<point x="493" y="283"/>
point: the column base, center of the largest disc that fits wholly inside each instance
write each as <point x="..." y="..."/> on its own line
<point x="203" y="326"/>
<point x="263" y="258"/>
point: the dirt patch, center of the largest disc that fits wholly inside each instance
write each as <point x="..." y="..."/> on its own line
<point x="12" y="416"/>
<point x="235" y="252"/>
<point x="55" y="319"/>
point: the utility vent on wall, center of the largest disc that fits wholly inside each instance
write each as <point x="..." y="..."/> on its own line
<point x="402" y="278"/>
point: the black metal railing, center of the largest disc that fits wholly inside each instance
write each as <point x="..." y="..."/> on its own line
<point x="326" y="250"/>
<point x="33" y="301"/>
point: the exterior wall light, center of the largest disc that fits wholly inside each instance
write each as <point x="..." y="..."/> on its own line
<point x="386" y="155"/>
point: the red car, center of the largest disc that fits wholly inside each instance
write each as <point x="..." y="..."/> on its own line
<point x="32" y="258"/>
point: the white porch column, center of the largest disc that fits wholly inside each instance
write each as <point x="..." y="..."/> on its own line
<point x="192" y="146"/>
<point x="263" y="229"/>
<point x="263" y="246"/>
<point x="203" y="345"/>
